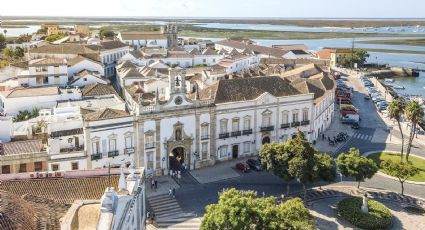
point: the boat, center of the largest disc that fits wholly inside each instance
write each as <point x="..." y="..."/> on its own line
<point x="398" y="87"/>
<point x="389" y="80"/>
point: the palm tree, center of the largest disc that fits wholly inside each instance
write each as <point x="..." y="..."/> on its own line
<point x="396" y="111"/>
<point x="414" y="114"/>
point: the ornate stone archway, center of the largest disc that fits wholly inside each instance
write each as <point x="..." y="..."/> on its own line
<point x="179" y="139"/>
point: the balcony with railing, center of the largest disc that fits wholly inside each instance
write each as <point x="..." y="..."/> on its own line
<point x="73" y="149"/>
<point x="223" y="135"/>
<point x="150" y="145"/>
<point x="247" y="132"/>
<point x="114" y="153"/>
<point x="236" y="133"/>
<point x="285" y="126"/>
<point x="205" y="137"/>
<point x="129" y="150"/>
<point x="266" y="128"/>
<point x="295" y="124"/>
<point x="96" y="156"/>
<point x="304" y="123"/>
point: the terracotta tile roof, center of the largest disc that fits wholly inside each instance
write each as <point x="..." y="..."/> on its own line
<point x="137" y="93"/>
<point x="179" y="54"/>
<point x="126" y="64"/>
<point x="69" y="48"/>
<point x="274" y="52"/>
<point x="31" y="92"/>
<point x="61" y="190"/>
<point x="108" y="45"/>
<point x="243" y="89"/>
<point x="209" y="51"/>
<point x="16" y="213"/>
<point x="20" y="147"/>
<point x="81" y="58"/>
<point x="47" y="61"/>
<point x="291" y="47"/>
<point x="195" y="52"/>
<point x="148" y="35"/>
<point x="97" y="89"/>
<point x="22" y="64"/>
<point x="105" y="114"/>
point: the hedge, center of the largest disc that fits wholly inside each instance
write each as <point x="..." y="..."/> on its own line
<point x="379" y="216"/>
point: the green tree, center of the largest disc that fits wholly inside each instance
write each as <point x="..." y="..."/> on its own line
<point x="396" y="111"/>
<point x="18" y="53"/>
<point x="414" y="113"/>
<point x="54" y="37"/>
<point x="302" y="166"/>
<point x="358" y="56"/>
<point x="399" y="169"/>
<point x="106" y="32"/>
<point x="242" y="210"/>
<point x="275" y="159"/>
<point x="325" y="167"/>
<point x="8" y="52"/>
<point x="354" y="165"/>
<point x="2" y="42"/>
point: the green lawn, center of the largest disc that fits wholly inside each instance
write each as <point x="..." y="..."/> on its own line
<point x="417" y="162"/>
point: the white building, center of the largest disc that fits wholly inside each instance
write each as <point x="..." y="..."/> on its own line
<point x="80" y="63"/>
<point x="20" y="99"/>
<point x="239" y="62"/>
<point x="165" y="38"/>
<point x="87" y="77"/>
<point x="45" y="71"/>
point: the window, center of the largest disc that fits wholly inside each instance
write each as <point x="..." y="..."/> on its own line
<point x="204" y="131"/>
<point x="129" y="141"/>
<point x="267" y="119"/>
<point x="55" y="167"/>
<point x="247" y="123"/>
<point x="38" y="166"/>
<point x="246" y="147"/>
<point x="204" y="150"/>
<point x="223" y="151"/>
<point x="150" y="160"/>
<point x="305" y="115"/>
<point x="295" y="116"/>
<point x="204" y="60"/>
<point x="235" y="124"/>
<point x="149" y="143"/>
<point x="95" y="147"/>
<point x="223" y="126"/>
<point x="74" y="165"/>
<point x="285" y="117"/>
<point x="5" y="169"/>
<point x="22" y="168"/>
<point x="112" y="145"/>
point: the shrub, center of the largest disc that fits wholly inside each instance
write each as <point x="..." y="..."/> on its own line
<point x="379" y="216"/>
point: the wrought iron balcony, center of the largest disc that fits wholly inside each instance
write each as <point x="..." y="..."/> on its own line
<point x="150" y="145"/>
<point x="236" y="133"/>
<point x="223" y="135"/>
<point x="295" y="124"/>
<point x="96" y="156"/>
<point x="205" y="137"/>
<point x="113" y="153"/>
<point x="266" y="128"/>
<point x="247" y="131"/>
<point x="303" y="123"/>
<point x="285" y="126"/>
<point x="129" y="150"/>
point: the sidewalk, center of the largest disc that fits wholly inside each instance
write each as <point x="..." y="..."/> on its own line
<point x="164" y="185"/>
<point x="220" y="171"/>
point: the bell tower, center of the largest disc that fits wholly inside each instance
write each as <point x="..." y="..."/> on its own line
<point x="177" y="81"/>
<point x="171" y="31"/>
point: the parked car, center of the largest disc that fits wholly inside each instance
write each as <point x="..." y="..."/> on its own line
<point x="254" y="164"/>
<point x="242" y="167"/>
<point x="355" y="125"/>
<point x="366" y="97"/>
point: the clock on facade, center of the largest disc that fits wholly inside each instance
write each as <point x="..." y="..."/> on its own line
<point x="178" y="100"/>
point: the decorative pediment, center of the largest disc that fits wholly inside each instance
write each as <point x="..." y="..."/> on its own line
<point x="112" y="136"/>
<point x="266" y="112"/>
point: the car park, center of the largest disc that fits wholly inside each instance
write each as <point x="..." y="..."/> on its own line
<point x="254" y="164"/>
<point x="242" y="167"/>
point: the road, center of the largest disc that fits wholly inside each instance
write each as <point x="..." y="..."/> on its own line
<point x="193" y="198"/>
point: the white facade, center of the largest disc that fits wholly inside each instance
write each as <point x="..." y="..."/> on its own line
<point x="88" y="79"/>
<point x="86" y="64"/>
<point x="110" y="57"/>
<point x="240" y="63"/>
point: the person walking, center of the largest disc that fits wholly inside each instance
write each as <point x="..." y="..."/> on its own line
<point x="170" y="192"/>
<point x="155" y="182"/>
<point x="152" y="183"/>
<point x="174" y="193"/>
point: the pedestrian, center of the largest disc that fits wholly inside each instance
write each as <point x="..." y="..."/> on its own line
<point x="174" y="193"/>
<point x="323" y="136"/>
<point x="155" y="184"/>
<point x="148" y="214"/>
<point x="152" y="183"/>
<point x="264" y="194"/>
<point x="170" y="192"/>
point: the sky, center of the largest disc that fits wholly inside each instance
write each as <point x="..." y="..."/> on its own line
<point x="217" y="8"/>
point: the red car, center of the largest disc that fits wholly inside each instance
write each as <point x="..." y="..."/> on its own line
<point x="243" y="167"/>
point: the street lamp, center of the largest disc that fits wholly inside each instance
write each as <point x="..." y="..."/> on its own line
<point x="162" y="164"/>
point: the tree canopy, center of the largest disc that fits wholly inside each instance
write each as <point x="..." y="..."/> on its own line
<point x="401" y="170"/>
<point x="396" y="111"/>
<point x="2" y="42"/>
<point x="54" y="37"/>
<point x="106" y="32"/>
<point x="358" y="56"/>
<point x="242" y="210"/>
<point x="414" y="113"/>
<point x="354" y="165"/>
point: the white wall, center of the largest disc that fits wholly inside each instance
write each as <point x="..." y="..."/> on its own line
<point x="87" y="80"/>
<point x="6" y="129"/>
<point x="88" y="65"/>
